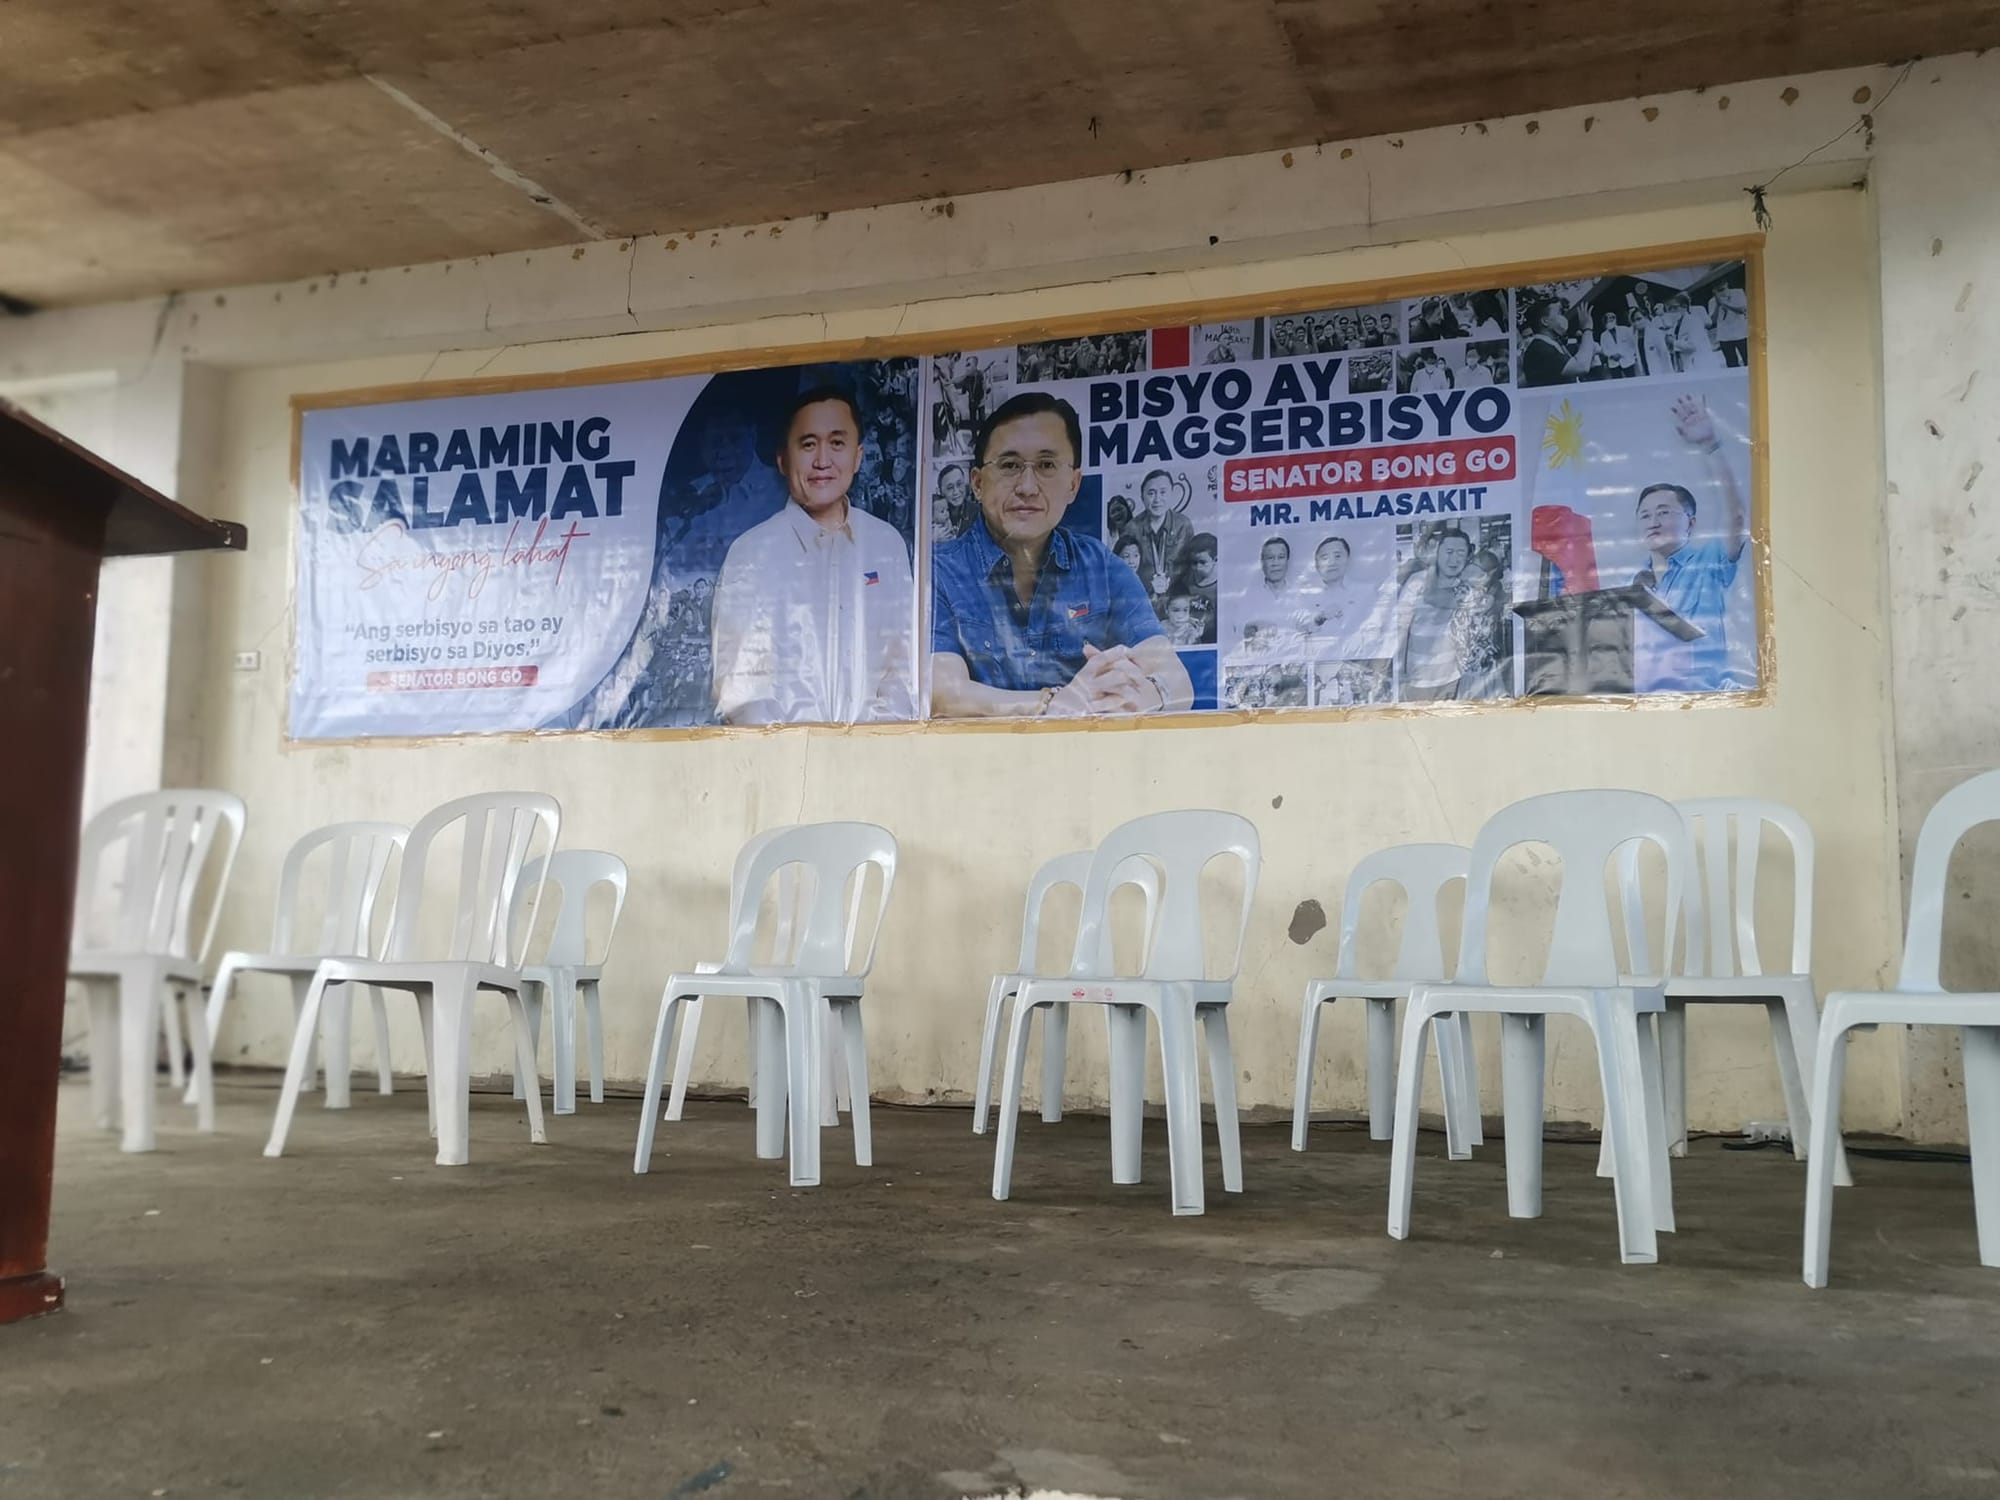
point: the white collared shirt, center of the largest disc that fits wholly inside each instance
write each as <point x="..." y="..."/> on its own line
<point x="815" y="624"/>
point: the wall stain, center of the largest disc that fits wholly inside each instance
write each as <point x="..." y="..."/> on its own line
<point x="1308" y="920"/>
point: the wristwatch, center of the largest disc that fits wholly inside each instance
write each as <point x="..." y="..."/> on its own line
<point x="1048" y="697"/>
<point x="1160" y="688"/>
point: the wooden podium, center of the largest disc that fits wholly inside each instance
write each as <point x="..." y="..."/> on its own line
<point x="62" y="510"/>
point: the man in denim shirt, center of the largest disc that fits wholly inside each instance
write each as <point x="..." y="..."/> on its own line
<point x="1694" y="575"/>
<point x="1029" y="618"/>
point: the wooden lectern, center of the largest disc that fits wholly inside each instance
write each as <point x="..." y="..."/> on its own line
<point x="62" y="510"/>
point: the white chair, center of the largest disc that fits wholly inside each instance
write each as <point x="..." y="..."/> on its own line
<point x="1173" y="989"/>
<point x="787" y="1040"/>
<point x="1065" y="869"/>
<point x="1422" y="871"/>
<point x="141" y="940"/>
<point x="1580" y="978"/>
<point x="1721" y="963"/>
<point x="355" y="858"/>
<point x="790" y="906"/>
<point x="497" y="833"/>
<point x="567" y="970"/>
<point x="1919" y="999"/>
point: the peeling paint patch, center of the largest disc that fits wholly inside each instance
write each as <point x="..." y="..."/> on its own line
<point x="1651" y="112"/>
<point x="1972" y="474"/>
<point x="1863" y="94"/>
<point x="1937" y="248"/>
<point x="1534" y="127"/>
<point x="1278" y="801"/>
<point x="1789" y="96"/>
<point x="1308" y="920"/>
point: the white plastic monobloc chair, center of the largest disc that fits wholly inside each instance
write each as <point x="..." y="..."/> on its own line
<point x="1580" y="978"/>
<point x="1065" y="869"/>
<point x="498" y="831"/>
<point x="793" y="995"/>
<point x="347" y="874"/>
<point x="1422" y="871"/>
<point x="1919" y="999"/>
<point x="790" y="906"/>
<point x="1173" y="989"/>
<point x="142" y="939"/>
<point x="567" y="970"/>
<point x="1722" y="964"/>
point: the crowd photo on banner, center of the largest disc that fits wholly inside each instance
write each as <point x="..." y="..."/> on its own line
<point x="1461" y="496"/>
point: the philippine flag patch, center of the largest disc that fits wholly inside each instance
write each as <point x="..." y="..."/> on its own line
<point x="1078" y="611"/>
<point x="871" y="578"/>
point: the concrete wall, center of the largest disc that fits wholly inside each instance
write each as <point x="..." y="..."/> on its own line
<point x="1673" y="166"/>
<point x="976" y="813"/>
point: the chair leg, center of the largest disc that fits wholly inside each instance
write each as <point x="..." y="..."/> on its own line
<point x="772" y="1070"/>
<point x="1671" y="1027"/>
<point x="202" y="1083"/>
<point x="803" y="1051"/>
<point x="451" y="1083"/>
<point x="1181" y="1074"/>
<point x="1302" y="1078"/>
<point x="1795" y="1025"/>
<point x="1523" y="1061"/>
<point x="1829" y="1074"/>
<point x="336" y="1039"/>
<point x="562" y="1026"/>
<point x="1403" y="1144"/>
<point x="593" y="1028"/>
<point x="301" y="983"/>
<point x="524" y="1061"/>
<point x="684" y="1059"/>
<point x="426" y="1023"/>
<point x="1055" y="1057"/>
<point x="105" y="1064"/>
<point x="832" y="1071"/>
<point x="1381" y="1070"/>
<point x="298" y="1069"/>
<point x="218" y="999"/>
<point x="170" y="1018"/>
<point x="1127" y="1046"/>
<point x="1222" y="1084"/>
<point x="656" y="1072"/>
<point x="138" y="1050"/>
<point x="849" y="1012"/>
<point x="1621" y="1070"/>
<point x="532" y="997"/>
<point x="989" y="1043"/>
<point x="1451" y="1086"/>
<point x="1981" y="1047"/>
<point x="1468" y="1083"/>
<point x="385" y="1075"/>
<point x="1010" y="1101"/>
<point x="1652" y="1100"/>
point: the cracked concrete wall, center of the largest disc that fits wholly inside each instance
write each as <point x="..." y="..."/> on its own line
<point x="977" y="812"/>
<point x="1940" y="267"/>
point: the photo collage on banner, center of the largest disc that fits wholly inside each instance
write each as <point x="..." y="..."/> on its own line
<point x="1468" y="496"/>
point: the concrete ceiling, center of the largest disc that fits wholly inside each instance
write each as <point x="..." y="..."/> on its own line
<point x="156" y="145"/>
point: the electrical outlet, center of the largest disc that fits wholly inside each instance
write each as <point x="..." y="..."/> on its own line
<point x="1767" y="1130"/>
<point x="248" y="661"/>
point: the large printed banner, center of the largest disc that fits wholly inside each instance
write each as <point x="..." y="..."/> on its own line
<point x="1510" y="492"/>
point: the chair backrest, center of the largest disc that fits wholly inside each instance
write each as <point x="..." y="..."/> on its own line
<point x="1721" y="909"/>
<point x="575" y="873"/>
<point x="1179" y="845"/>
<point x="169" y="838"/>
<point x="821" y="937"/>
<point x="1074" y="869"/>
<point x="1423" y="871"/>
<point x="1956" y="814"/>
<point x="356" y="858"/>
<point x="498" y="835"/>
<point x="1586" y="829"/>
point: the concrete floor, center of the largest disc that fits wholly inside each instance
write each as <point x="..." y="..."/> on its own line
<point x="354" y="1321"/>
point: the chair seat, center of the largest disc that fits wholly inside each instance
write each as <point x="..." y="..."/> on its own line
<point x="758" y="978"/>
<point x="1912" y="1008"/>
<point x="283" y="963"/>
<point x="1363" y="989"/>
<point x="104" y="964"/>
<point x="1646" y="998"/>
<point x="545" y="973"/>
<point x="387" y="972"/>
<point x="1735" y="987"/>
